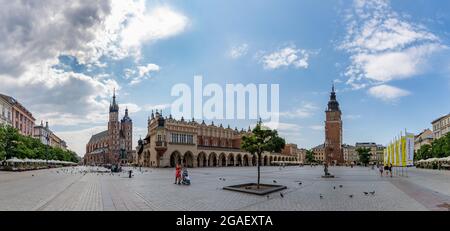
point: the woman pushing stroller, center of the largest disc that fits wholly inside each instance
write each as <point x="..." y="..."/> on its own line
<point x="185" y="177"/>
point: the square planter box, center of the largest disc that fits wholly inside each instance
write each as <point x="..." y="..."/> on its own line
<point x="251" y="188"/>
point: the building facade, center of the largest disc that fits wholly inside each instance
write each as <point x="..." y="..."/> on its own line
<point x="350" y="154"/>
<point x="113" y="146"/>
<point x="5" y="111"/>
<point x="319" y="153"/>
<point x="333" y="131"/>
<point x="47" y="137"/>
<point x="21" y="118"/>
<point x="293" y="151"/>
<point x="169" y="142"/>
<point x="425" y="137"/>
<point x="376" y="151"/>
<point x="441" y="126"/>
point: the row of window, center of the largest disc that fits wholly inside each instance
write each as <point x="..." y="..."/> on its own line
<point x="215" y="142"/>
<point x="442" y="123"/>
<point x="181" y="138"/>
<point x="5" y="112"/>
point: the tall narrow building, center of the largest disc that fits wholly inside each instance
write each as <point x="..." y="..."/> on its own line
<point x="333" y="131"/>
<point x="113" y="130"/>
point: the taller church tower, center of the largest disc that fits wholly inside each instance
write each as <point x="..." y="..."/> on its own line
<point x="333" y="131"/>
<point x="113" y="131"/>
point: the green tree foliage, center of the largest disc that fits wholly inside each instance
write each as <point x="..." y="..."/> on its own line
<point x="13" y="144"/>
<point x="424" y="152"/>
<point x="310" y="156"/>
<point x="364" y="155"/>
<point x="441" y="147"/>
<point x="262" y="140"/>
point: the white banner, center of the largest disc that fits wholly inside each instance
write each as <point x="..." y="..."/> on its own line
<point x="410" y="149"/>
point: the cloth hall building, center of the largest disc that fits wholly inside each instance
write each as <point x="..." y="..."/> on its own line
<point x="192" y="144"/>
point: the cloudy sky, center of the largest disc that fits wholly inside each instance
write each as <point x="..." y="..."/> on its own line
<point x="390" y="60"/>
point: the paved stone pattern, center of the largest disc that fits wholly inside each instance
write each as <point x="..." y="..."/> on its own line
<point x="154" y="189"/>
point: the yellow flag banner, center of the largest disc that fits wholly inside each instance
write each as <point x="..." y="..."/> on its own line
<point x="404" y="156"/>
<point x="385" y="156"/>
<point x="396" y="153"/>
<point x="391" y="156"/>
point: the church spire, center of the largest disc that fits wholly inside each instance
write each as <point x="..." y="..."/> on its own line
<point x="114" y="107"/>
<point x="333" y="104"/>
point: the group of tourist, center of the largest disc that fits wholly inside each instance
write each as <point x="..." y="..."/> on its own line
<point x="385" y="168"/>
<point x="182" y="176"/>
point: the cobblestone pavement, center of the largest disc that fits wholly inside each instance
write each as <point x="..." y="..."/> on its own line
<point x="153" y="189"/>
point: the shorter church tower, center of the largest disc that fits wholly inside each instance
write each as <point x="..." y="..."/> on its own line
<point x="127" y="130"/>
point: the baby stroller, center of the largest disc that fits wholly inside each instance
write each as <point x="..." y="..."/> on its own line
<point x="185" y="178"/>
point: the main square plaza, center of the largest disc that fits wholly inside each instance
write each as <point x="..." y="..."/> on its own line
<point x="153" y="189"/>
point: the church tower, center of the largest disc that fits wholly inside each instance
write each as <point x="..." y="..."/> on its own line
<point x="333" y="131"/>
<point x="113" y="131"/>
<point x="127" y="130"/>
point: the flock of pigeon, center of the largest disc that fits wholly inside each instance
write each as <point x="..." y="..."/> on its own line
<point x="372" y="193"/>
<point x="98" y="172"/>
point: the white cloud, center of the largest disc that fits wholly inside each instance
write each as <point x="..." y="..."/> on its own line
<point x="161" y="22"/>
<point x="385" y="46"/>
<point x="62" y="98"/>
<point x="387" y="66"/>
<point x="132" y="108"/>
<point x="131" y="24"/>
<point x="304" y="111"/>
<point x="141" y="73"/>
<point x="35" y="35"/>
<point x="387" y="93"/>
<point x="288" y="56"/>
<point x="352" y="117"/>
<point x="77" y="140"/>
<point x="291" y="132"/>
<point x="238" y="51"/>
<point x="150" y="107"/>
<point x="317" y="127"/>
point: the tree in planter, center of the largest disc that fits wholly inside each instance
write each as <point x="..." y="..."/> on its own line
<point x="261" y="140"/>
<point x="310" y="156"/>
<point x="364" y="155"/>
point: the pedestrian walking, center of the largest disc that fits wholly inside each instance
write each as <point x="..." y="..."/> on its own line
<point x="390" y="169"/>
<point x="178" y="174"/>
<point x="381" y="168"/>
